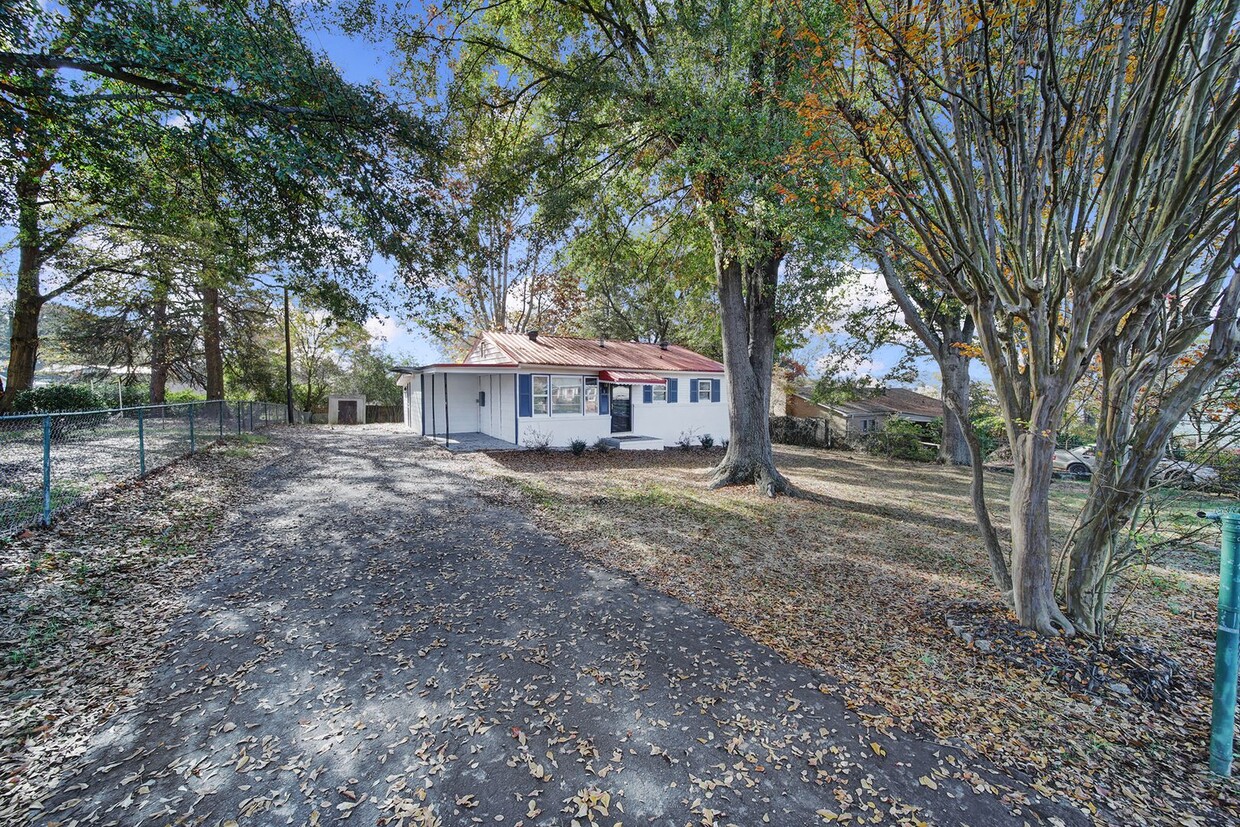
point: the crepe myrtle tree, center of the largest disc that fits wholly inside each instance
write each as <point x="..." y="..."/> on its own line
<point x="684" y="105"/>
<point x="1060" y="168"/>
<point x="1153" y="372"/>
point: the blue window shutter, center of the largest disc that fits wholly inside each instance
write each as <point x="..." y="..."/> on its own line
<point x="671" y="390"/>
<point x="715" y="395"/>
<point x="647" y="394"/>
<point x="525" y="396"/>
<point x="604" y="400"/>
<point x="693" y="383"/>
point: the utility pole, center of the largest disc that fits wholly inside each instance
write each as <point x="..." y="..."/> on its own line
<point x="288" y="360"/>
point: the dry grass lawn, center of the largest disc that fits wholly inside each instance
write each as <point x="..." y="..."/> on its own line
<point x="857" y="583"/>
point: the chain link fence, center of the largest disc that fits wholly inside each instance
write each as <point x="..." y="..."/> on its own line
<point x="49" y="462"/>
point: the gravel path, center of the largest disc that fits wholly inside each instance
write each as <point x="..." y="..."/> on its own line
<point x="381" y="644"/>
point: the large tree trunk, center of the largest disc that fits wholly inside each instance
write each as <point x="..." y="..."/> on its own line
<point x="1033" y="595"/>
<point x="954" y="448"/>
<point x="28" y="303"/>
<point x="24" y="339"/>
<point x="211" y="342"/>
<point x="159" y="346"/>
<point x="746" y="298"/>
<point x="1101" y="539"/>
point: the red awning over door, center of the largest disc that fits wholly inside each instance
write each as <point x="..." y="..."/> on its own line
<point x="620" y="377"/>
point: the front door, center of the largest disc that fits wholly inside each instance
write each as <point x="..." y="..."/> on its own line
<point x="346" y="412"/>
<point x="621" y="409"/>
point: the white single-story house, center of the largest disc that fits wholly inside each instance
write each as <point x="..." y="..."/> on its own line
<point x="523" y="389"/>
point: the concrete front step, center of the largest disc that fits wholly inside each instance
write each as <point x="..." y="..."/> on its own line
<point x="635" y="443"/>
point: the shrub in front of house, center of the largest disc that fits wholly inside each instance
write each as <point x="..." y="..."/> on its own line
<point x="685" y="440"/>
<point x="602" y="445"/>
<point x="707" y="441"/>
<point x="900" y="439"/>
<point x="577" y="446"/>
<point x="537" y="441"/>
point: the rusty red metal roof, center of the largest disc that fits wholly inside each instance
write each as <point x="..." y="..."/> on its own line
<point x="588" y="353"/>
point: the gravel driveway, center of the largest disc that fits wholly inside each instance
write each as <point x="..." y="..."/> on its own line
<point x="379" y="643"/>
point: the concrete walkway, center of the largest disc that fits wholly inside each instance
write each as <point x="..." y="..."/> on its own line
<point x="381" y="645"/>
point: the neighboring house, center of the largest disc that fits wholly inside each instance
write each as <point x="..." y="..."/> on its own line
<point x="526" y="389"/>
<point x="864" y="416"/>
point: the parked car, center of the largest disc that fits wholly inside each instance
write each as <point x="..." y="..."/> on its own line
<point x="1183" y="472"/>
<point x="1073" y="462"/>
<point x="1170" y="469"/>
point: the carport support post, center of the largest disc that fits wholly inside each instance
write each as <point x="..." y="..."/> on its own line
<point x="1223" y="713"/>
<point x="47" y="469"/>
<point x="141" y="443"/>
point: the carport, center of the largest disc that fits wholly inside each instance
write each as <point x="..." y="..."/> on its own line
<point x="464" y="407"/>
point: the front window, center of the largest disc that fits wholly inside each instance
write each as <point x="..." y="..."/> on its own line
<point x="540" y="386"/>
<point x="566" y="395"/>
<point x="704" y="394"/>
<point x="658" y="393"/>
<point x="591" y="396"/>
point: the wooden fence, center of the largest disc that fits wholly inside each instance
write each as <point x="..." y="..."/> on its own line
<point x="384" y="413"/>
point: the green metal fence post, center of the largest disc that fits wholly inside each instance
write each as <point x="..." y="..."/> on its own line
<point x="47" y="470"/>
<point x="141" y="444"/>
<point x="220" y="404"/>
<point x="191" y="427"/>
<point x="1223" y="713"/>
<point x="251" y="416"/>
<point x="238" y="419"/>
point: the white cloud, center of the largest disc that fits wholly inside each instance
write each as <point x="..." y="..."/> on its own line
<point x="864" y="290"/>
<point x="855" y="366"/>
<point x="383" y="328"/>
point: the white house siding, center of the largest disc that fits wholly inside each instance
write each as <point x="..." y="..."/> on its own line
<point x="462" y="414"/>
<point x="562" y="430"/>
<point x="413" y="405"/>
<point x="668" y="420"/>
<point x="487" y="353"/>
<point x="498" y="417"/>
<point x="663" y="420"/>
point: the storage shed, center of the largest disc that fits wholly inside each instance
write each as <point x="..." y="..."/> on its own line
<point x="346" y="410"/>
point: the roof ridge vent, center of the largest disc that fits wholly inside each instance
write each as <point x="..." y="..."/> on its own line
<point x="662" y="344"/>
<point x="533" y="334"/>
